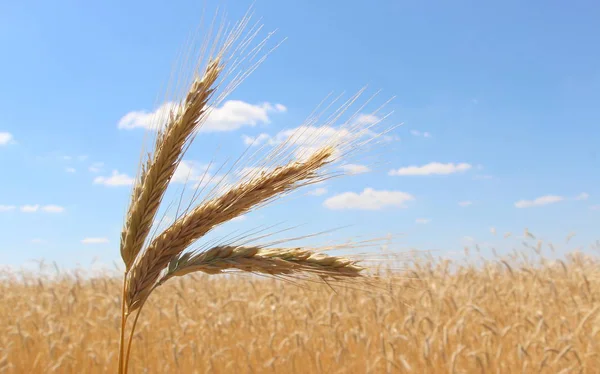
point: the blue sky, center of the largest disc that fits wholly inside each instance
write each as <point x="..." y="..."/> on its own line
<point x="499" y="105"/>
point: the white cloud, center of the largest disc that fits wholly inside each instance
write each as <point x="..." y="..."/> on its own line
<point x="116" y="179"/>
<point x="70" y="170"/>
<point x="355" y="168"/>
<point x="367" y="119"/>
<point x="94" y="240"/>
<point x="235" y="114"/>
<point x="232" y="115"/>
<point x="6" y="138"/>
<point x="465" y="203"/>
<point x="30" y="208"/>
<point x="189" y="171"/>
<point x="192" y="171"/>
<point x="433" y="168"/>
<point x="318" y="191"/>
<point x="595" y="207"/>
<point x="256" y="140"/>
<point x="422" y="221"/>
<point x="45" y="208"/>
<point x="312" y="137"/>
<point x="7" y="208"/>
<point x="543" y="200"/>
<point x="96" y="167"/>
<point x="424" y="134"/>
<point x="53" y="208"/>
<point x="37" y="241"/>
<point x="582" y="196"/>
<point x="142" y="119"/>
<point x="305" y="140"/>
<point x="369" y="199"/>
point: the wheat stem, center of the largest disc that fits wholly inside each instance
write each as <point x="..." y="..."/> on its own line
<point x="123" y="324"/>
<point x="130" y="340"/>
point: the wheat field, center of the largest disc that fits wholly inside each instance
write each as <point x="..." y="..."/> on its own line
<point x="501" y="315"/>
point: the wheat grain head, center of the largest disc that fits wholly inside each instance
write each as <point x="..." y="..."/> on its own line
<point x="233" y="203"/>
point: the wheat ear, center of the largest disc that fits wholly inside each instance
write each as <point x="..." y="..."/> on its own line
<point x="158" y="170"/>
<point x="255" y="259"/>
<point x="195" y="224"/>
<point x="156" y="173"/>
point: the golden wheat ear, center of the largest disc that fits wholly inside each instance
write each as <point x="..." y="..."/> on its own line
<point x="196" y="223"/>
<point x="269" y="261"/>
<point x="158" y="171"/>
<point x="225" y="58"/>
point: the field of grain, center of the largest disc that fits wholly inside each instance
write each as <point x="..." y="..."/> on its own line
<point x="509" y="315"/>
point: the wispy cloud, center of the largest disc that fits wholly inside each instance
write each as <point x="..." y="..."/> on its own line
<point x="582" y="196"/>
<point x="257" y="140"/>
<point x="433" y="168"/>
<point x="70" y="170"/>
<point x="311" y="136"/>
<point x="37" y="241"/>
<point x="355" y="168"/>
<point x="32" y="208"/>
<point x="53" y="208"/>
<point x="96" y="167"/>
<point x="235" y="114"/>
<point x="318" y="191"/>
<point x="114" y="180"/>
<point x="368" y="199"/>
<point x="7" y="208"/>
<point x="540" y="201"/>
<point x="422" y="221"/>
<point x="94" y="240"/>
<point x="189" y="171"/>
<point x="232" y="115"/>
<point x="465" y="203"/>
<point x="424" y="134"/>
<point x="6" y="138"/>
<point x="147" y="120"/>
<point x="307" y="138"/>
<point x="595" y="207"/>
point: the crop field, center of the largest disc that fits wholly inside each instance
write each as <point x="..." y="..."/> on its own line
<point x="506" y="315"/>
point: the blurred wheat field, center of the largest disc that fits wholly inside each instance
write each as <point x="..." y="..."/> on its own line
<point x="501" y="316"/>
